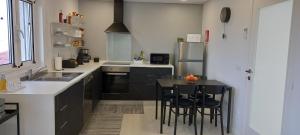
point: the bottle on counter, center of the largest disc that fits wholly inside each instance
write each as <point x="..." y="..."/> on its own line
<point x="69" y="18"/>
<point x="60" y="16"/>
<point x="3" y="83"/>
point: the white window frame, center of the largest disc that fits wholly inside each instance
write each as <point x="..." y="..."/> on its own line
<point x="17" y="64"/>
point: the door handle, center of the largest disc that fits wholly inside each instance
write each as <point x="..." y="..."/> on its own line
<point x="249" y="71"/>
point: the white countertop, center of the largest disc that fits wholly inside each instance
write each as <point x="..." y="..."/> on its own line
<point x="56" y="87"/>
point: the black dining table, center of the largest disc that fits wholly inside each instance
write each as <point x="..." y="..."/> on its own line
<point x="167" y="84"/>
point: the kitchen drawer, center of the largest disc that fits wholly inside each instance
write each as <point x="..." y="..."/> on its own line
<point x="61" y="100"/>
<point x="143" y="75"/>
<point x="62" y="115"/>
<point x="64" y="129"/>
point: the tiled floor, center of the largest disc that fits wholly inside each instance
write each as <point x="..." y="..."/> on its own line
<point x="145" y="124"/>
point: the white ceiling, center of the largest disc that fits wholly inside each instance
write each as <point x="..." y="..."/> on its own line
<point x="171" y="1"/>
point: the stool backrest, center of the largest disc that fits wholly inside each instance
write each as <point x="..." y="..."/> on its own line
<point x="185" y="89"/>
<point x="213" y="90"/>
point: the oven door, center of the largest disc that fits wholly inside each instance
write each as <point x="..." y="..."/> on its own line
<point x="116" y="82"/>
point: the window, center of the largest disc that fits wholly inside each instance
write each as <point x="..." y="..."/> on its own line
<point x="5" y="33"/>
<point x="26" y="30"/>
<point x="16" y="16"/>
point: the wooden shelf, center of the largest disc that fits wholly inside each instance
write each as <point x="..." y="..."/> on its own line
<point x="67" y="25"/>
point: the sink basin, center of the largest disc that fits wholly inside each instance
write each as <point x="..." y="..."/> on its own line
<point x="57" y="76"/>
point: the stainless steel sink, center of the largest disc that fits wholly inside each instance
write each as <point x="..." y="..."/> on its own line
<point x="56" y="76"/>
<point x="117" y="63"/>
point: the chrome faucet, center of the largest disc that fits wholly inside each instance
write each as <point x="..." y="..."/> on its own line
<point x="30" y="73"/>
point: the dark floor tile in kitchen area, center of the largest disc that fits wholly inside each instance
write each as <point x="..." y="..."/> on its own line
<point x="108" y="116"/>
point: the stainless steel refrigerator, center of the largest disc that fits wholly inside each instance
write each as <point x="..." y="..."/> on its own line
<point x="190" y="58"/>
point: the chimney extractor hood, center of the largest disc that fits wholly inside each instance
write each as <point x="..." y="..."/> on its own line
<point x="118" y="25"/>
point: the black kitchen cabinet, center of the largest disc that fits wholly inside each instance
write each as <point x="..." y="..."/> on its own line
<point x="69" y="110"/>
<point x="97" y="87"/>
<point x="142" y="81"/>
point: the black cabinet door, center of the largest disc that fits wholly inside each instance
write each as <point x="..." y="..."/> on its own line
<point x="76" y="111"/>
<point x="142" y="91"/>
<point x="69" y="110"/>
<point x="142" y="81"/>
<point x="97" y="87"/>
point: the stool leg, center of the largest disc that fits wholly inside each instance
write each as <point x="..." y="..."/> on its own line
<point x="191" y="112"/>
<point x="195" y="120"/>
<point x="176" y="116"/>
<point x="170" y="113"/>
<point x="211" y="115"/>
<point x="165" y="107"/>
<point x="202" y="120"/>
<point x="184" y="115"/>
<point x="216" y="117"/>
<point x="221" y="120"/>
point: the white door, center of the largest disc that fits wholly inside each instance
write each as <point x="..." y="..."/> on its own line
<point x="270" y="66"/>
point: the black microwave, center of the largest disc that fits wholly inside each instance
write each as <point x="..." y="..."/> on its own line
<point x="160" y="58"/>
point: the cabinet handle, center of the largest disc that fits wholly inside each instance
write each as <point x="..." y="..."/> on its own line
<point x="63" y="108"/>
<point x="63" y="125"/>
<point x="117" y="74"/>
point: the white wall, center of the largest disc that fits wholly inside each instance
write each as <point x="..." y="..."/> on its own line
<point x="229" y="58"/>
<point x="50" y="10"/>
<point x="291" y="116"/>
<point x="154" y="27"/>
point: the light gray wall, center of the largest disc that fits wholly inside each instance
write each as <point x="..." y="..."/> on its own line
<point x="154" y="27"/>
<point x="229" y="58"/>
<point x="291" y="116"/>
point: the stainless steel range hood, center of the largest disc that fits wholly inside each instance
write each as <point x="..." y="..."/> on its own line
<point x="118" y="25"/>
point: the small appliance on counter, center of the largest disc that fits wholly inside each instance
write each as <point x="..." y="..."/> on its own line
<point x="96" y="59"/>
<point x="83" y="56"/>
<point x="70" y="63"/>
<point x="160" y="58"/>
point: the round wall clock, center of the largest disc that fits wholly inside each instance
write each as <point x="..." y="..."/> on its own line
<point x="225" y="15"/>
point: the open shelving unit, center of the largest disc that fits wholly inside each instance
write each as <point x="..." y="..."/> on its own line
<point x="65" y="35"/>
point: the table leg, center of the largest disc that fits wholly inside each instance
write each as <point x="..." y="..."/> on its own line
<point x="229" y="110"/>
<point x="161" y="114"/>
<point x="18" y="120"/>
<point x="156" y="100"/>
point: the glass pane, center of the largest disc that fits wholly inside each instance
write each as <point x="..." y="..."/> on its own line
<point x="4" y="33"/>
<point x="119" y="47"/>
<point x="26" y="30"/>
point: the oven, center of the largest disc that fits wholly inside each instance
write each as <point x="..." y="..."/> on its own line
<point x="116" y="80"/>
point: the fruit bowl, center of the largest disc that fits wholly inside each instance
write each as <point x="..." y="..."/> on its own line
<point x="191" y="79"/>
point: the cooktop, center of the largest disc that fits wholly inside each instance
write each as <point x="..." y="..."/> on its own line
<point x="57" y="76"/>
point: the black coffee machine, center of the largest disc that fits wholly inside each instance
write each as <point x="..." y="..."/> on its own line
<point x="83" y="56"/>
